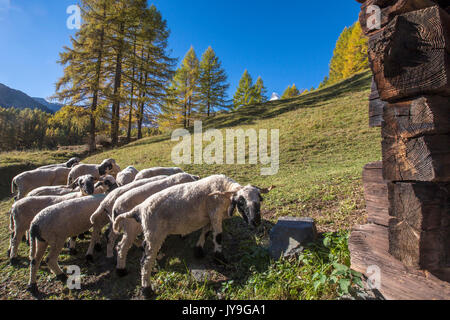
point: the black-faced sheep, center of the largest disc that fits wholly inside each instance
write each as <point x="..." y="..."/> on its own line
<point x="126" y="176"/>
<point x="101" y="216"/>
<point x="30" y="180"/>
<point x="158" y="171"/>
<point x="53" y="226"/>
<point x="130" y="200"/>
<point x="108" y="166"/>
<point x="186" y="208"/>
<point x="24" y="210"/>
<point x="69" y="164"/>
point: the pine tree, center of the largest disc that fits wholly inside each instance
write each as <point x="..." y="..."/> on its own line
<point x="259" y="91"/>
<point x="212" y="82"/>
<point x="245" y="91"/>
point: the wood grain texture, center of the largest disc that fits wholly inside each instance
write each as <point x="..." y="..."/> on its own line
<point x="419" y="231"/>
<point x="389" y="9"/>
<point x="376" y="193"/>
<point x="369" y="245"/>
<point x="425" y="158"/>
<point x="411" y="55"/>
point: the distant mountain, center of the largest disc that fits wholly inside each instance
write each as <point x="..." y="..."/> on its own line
<point x="54" y="107"/>
<point x="17" y="99"/>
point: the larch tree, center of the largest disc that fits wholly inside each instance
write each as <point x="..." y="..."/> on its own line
<point x="259" y="91"/>
<point x="212" y="83"/>
<point x="245" y="92"/>
<point x="83" y="82"/>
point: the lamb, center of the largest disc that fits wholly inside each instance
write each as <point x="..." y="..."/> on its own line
<point x="126" y="176"/>
<point x="128" y="201"/>
<point x="52" y="226"/>
<point x="101" y="216"/>
<point x="186" y="208"/>
<point x="108" y="166"/>
<point x="153" y="172"/>
<point x="30" y="180"/>
<point x="69" y="164"/>
<point x="24" y="210"/>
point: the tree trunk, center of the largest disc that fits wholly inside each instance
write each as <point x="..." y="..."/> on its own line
<point x="130" y="116"/>
<point x="117" y="85"/>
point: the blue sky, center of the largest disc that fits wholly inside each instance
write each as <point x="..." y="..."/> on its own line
<point x="284" y="42"/>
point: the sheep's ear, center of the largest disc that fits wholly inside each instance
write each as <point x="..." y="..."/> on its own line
<point x="74" y="184"/>
<point x="266" y="190"/>
<point x="98" y="184"/>
<point x="226" y="194"/>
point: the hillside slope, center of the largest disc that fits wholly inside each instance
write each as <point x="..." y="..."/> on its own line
<point x="17" y="99"/>
<point x="324" y="143"/>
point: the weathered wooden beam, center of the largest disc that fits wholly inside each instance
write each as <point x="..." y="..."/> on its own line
<point x="411" y="55"/>
<point x="369" y="245"/>
<point x="425" y="158"/>
<point x="389" y="9"/>
<point x="419" y="231"/>
<point x="376" y="113"/>
<point x="376" y="194"/>
<point x="416" y="140"/>
<point x="426" y="115"/>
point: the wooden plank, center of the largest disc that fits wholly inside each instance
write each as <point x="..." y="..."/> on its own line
<point x="425" y="158"/>
<point x="369" y="246"/>
<point x="389" y="9"/>
<point x="376" y="194"/>
<point x="410" y="56"/>
<point x="419" y="232"/>
<point x="426" y="115"/>
<point x="376" y="113"/>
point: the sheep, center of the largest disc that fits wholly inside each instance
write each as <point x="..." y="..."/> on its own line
<point x="186" y="208"/>
<point x="24" y="210"/>
<point x="69" y="164"/>
<point x="148" y="173"/>
<point x="30" y="180"/>
<point x="108" y="166"/>
<point x="101" y="216"/>
<point x="128" y="201"/>
<point x="51" y="191"/>
<point x="52" y="226"/>
<point x="126" y="176"/>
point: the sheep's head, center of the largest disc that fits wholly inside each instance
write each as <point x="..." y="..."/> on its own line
<point x="86" y="184"/>
<point x="108" y="166"/>
<point x="109" y="182"/>
<point x="72" y="162"/>
<point x="248" y="202"/>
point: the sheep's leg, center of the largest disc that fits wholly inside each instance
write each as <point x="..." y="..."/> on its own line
<point x="199" y="253"/>
<point x="112" y="238"/>
<point x="131" y="231"/>
<point x="93" y="243"/>
<point x="72" y="245"/>
<point x="16" y="239"/>
<point x="35" y="262"/>
<point x="153" y="244"/>
<point x="217" y="239"/>
<point x="52" y="263"/>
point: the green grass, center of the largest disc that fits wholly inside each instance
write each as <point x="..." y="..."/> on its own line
<point x="324" y="143"/>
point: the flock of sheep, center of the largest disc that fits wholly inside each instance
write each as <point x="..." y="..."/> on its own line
<point x="63" y="202"/>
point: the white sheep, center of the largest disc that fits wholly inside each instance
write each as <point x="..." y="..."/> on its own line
<point x="101" y="216"/>
<point x="108" y="166"/>
<point x="158" y="171"/>
<point x="30" y="180"/>
<point x="69" y="164"/>
<point x="128" y="201"/>
<point x="24" y="210"/>
<point x="186" y="208"/>
<point x="126" y="176"/>
<point x="51" y="191"/>
<point x="53" y="226"/>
